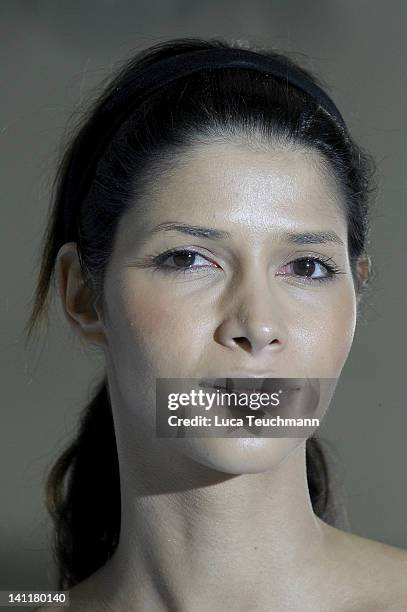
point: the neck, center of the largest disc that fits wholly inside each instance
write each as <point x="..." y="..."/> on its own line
<point x="195" y="538"/>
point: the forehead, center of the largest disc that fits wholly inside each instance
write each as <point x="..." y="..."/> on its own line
<point x="234" y="185"/>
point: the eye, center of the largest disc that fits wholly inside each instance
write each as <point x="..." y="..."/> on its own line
<point x="184" y="260"/>
<point x="312" y="269"/>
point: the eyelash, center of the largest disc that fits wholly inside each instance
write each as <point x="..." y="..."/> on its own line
<point x="332" y="270"/>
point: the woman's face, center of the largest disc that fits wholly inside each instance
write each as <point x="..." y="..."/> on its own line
<point x="239" y="301"/>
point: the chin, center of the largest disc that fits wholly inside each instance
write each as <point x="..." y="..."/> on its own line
<point x="239" y="455"/>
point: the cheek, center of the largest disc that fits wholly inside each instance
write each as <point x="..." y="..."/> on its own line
<point x="161" y="332"/>
<point x="326" y="337"/>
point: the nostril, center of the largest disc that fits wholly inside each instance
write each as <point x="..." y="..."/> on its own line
<point x="244" y="343"/>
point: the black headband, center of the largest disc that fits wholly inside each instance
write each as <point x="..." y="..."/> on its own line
<point x="122" y="103"/>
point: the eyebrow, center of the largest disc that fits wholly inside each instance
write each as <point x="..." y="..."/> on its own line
<point x="308" y="237"/>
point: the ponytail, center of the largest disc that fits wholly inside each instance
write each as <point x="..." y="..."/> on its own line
<point x="83" y="495"/>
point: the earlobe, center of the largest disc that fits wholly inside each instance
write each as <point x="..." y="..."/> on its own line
<point x="364" y="266"/>
<point x="76" y="297"/>
<point x="363" y="272"/>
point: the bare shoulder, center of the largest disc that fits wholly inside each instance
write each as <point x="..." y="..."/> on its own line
<point x="376" y="571"/>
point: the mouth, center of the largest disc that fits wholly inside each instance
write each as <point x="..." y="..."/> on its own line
<point x="252" y="389"/>
<point x="240" y="386"/>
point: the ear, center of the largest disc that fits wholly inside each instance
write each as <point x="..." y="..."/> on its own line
<point x="77" y="299"/>
<point x="364" y="268"/>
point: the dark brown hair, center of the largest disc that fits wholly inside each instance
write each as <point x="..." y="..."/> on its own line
<point x="83" y="487"/>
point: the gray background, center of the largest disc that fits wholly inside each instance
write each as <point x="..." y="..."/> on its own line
<point x="52" y="53"/>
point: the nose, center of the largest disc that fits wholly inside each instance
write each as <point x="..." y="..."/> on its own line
<point x="254" y="323"/>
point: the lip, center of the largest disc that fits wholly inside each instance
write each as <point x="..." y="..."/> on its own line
<point x="242" y="391"/>
<point x="247" y="374"/>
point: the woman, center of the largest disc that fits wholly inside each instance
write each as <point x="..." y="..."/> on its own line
<point x="210" y="219"/>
